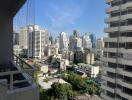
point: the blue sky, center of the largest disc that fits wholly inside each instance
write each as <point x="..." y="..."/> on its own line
<point x="67" y="15"/>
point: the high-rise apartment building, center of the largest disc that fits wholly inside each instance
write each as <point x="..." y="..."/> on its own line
<point x="23" y="38"/>
<point x="93" y="40"/>
<point x="99" y="47"/>
<point x="63" y="41"/>
<point x="15" y="38"/>
<point x="37" y="40"/>
<point x="86" y="41"/>
<point x="75" y="41"/>
<point x="118" y="51"/>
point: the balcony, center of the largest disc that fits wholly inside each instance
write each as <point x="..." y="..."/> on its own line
<point x="108" y="59"/>
<point x="110" y="39"/>
<point x="110" y="69"/>
<point x="123" y="94"/>
<point x="120" y="7"/>
<point x="111" y="9"/>
<point x="16" y="80"/>
<point x="110" y="50"/>
<point x="107" y="88"/>
<point x="107" y="78"/>
<point x="122" y="17"/>
<point x="106" y="97"/>
<point x="115" y="29"/>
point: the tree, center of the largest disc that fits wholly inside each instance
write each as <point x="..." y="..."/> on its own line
<point x="56" y="62"/>
<point x="62" y="91"/>
<point x="23" y="53"/>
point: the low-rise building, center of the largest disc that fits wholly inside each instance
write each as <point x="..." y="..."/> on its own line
<point x="88" y="57"/>
<point x="87" y="97"/>
<point x="90" y="70"/>
<point x="68" y="55"/>
<point x="52" y="50"/>
<point x="17" y="50"/>
<point x="64" y="63"/>
<point x="84" y="56"/>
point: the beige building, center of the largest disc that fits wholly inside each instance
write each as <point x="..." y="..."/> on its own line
<point x="16" y="49"/>
<point x="84" y="56"/>
<point x="37" y="41"/>
<point x="63" y="64"/>
<point x="23" y="38"/>
<point x="118" y="51"/>
<point x="90" y="70"/>
<point x="52" y="50"/>
<point x="89" y="57"/>
<point x="68" y="55"/>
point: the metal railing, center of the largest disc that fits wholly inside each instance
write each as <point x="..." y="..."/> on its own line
<point x="23" y="69"/>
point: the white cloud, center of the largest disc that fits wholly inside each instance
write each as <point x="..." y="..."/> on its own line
<point x="61" y="16"/>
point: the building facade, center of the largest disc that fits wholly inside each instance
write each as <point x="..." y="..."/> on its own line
<point x="75" y="43"/>
<point x="23" y="38"/>
<point x="118" y="51"/>
<point x="52" y="50"/>
<point x="37" y="40"/>
<point x="99" y="47"/>
<point x="90" y="70"/>
<point x="15" y="38"/>
<point x="63" y="41"/>
<point x="86" y="41"/>
<point x="93" y="40"/>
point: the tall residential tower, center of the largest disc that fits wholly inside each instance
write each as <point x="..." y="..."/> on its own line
<point x="117" y="55"/>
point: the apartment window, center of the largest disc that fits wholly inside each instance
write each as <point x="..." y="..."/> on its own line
<point x="127" y="79"/>
<point x="112" y="55"/>
<point x="119" y="76"/>
<point x="114" y="35"/>
<point x="104" y="54"/>
<point x="128" y="45"/>
<point x="124" y="12"/>
<point x="118" y="96"/>
<point x="112" y="45"/>
<point x="110" y="74"/>
<point x="128" y="68"/>
<point x="111" y="85"/>
<point x="106" y="44"/>
<point x="124" y="98"/>
<point x="109" y="94"/>
<point x="119" y="86"/>
<point x="127" y="91"/>
<point x="129" y="22"/>
<point x="112" y="65"/>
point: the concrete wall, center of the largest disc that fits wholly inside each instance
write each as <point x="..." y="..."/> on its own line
<point x="28" y="93"/>
<point x="6" y="38"/>
<point x="3" y="90"/>
<point x="8" y="9"/>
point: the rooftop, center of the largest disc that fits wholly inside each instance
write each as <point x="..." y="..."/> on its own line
<point x="86" y="65"/>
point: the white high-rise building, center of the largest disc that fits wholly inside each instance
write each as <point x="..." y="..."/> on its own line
<point x="75" y="43"/>
<point x="99" y="43"/>
<point x="57" y="42"/>
<point x="99" y="47"/>
<point x="63" y="41"/>
<point x="86" y="41"/>
<point x="37" y="42"/>
<point x="118" y="51"/>
<point x="23" y="38"/>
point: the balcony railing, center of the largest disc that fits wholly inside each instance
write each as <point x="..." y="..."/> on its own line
<point x="21" y="76"/>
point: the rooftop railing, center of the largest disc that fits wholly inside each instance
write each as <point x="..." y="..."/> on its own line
<point x="21" y="76"/>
